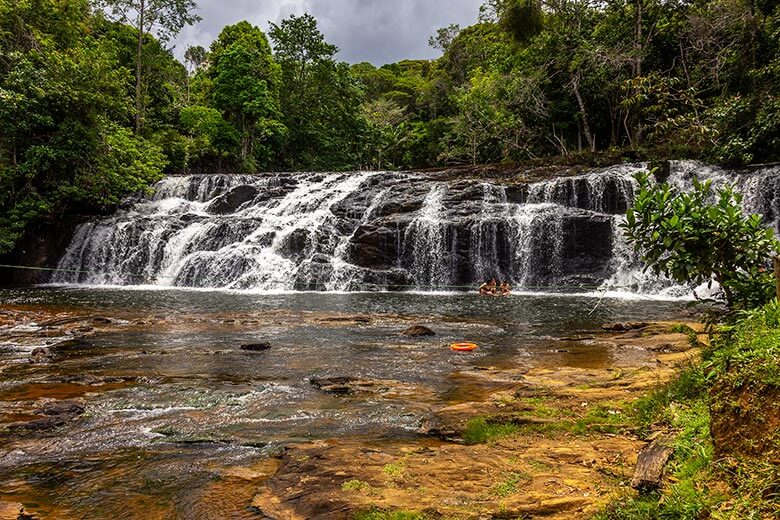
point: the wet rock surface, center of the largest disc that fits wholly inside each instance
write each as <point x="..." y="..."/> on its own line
<point x="555" y="475"/>
<point x="416" y="331"/>
<point x="40" y="355"/>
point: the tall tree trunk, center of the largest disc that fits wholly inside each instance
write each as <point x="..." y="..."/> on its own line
<point x="638" y="35"/>
<point x="639" y="49"/>
<point x="575" y="83"/>
<point x="138" y="104"/>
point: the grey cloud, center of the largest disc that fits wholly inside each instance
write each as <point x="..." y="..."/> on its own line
<point x="378" y="31"/>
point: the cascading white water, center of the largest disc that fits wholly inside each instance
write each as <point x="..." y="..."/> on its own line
<point x="426" y="237"/>
<point x="345" y="273"/>
<point x="383" y="230"/>
<point x="538" y="233"/>
<point x="494" y="214"/>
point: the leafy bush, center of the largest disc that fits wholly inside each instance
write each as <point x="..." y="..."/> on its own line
<point x="702" y="236"/>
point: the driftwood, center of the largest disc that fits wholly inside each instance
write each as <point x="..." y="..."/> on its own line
<point x="651" y="463"/>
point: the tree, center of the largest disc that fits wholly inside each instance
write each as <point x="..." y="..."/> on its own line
<point x="63" y="104"/>
<point x="495" y="119"/>
<point x="320" y="99"/>
<point x="195" y="56"/>
<point x="385" y="119"/>
<point x="444" y="37"/>
<point x="523" y="19"/>
<point x="212" y="141"/>
<point x="700" y="237"/>
<point x="161" y="18"/>
<point x="245" y="82"/>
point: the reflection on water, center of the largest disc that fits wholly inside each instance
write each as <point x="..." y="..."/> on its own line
<point x="172" y="400"/>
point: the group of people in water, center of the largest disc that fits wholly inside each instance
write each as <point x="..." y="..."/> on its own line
<point x="493" y="288"/>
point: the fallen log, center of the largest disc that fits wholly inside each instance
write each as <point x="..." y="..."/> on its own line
<point x="651" y="463"/>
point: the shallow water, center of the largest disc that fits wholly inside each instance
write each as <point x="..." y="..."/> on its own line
<point x="172" y="402"/>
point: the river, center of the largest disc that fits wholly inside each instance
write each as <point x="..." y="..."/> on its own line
<point x="172" y="402"/>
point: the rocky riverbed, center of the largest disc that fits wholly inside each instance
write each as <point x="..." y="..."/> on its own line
<point x="561" y="462"/>
<point x="290" y="407"/>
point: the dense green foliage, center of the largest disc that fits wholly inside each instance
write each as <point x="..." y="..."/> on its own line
<point x="64" y="113"/>
<point x="530" y="79"/>
<point x="700" y="237"/>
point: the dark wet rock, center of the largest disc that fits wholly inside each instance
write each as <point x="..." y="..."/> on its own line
<point x="102" y="320"/>
<point x="666" y="347"/>
<point x="624" y="327"/>
<point x="374" y="246"/>
<point x="517" y="193"/>
<point x="295" y="244"/>
<point x="66" y="344"/>
<point x="335" y="385"/>
<point x="89" y="379"/>
<point x="347" y="319"/>
<point x="44" y="423"/>
<point x="55" y="414"/>
<point x="418" y="331"/>
<point x="232" y="200"/>
<point x="435" y="427"/>
<point x="26" y="515"/>
<point x="40" y="355"/>
<point x="351" y="385"/>
<point x="71" y="408"/>
<point x="256" y="347"/>
<point x="348" y="386"/>
<point x="189" y="218"/>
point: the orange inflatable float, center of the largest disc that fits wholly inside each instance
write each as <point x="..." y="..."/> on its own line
<point x="463" y="347"/>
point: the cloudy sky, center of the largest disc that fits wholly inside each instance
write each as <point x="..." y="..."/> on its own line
<point x="378" y="31"/>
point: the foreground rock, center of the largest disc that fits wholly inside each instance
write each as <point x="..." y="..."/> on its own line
<point x="40" y="355"/>
<point x="256" y="347"/>
<point x="353" y="386"/>
<point x="416" y="331"/>
<point x="54" y="415"/>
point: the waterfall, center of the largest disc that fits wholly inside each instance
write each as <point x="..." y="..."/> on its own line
<point x="384" y="230"/>
<point x="538" y="240"/>
<point x="428" y="242"/>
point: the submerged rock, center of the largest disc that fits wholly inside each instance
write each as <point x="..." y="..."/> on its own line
<point x="418" y="331"/>
<point x="40" y="355"/>
<point x="62" y="408"/>
<point x="349" y="386"/>
<point x="256" y="347"/>
<point x="55" y="414"/>
<point x="624" y="327"/>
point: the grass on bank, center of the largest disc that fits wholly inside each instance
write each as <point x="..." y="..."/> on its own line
<point x="379" y="514"/>
<point x="743" y="360"/>
<point x="610" y="417"/>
